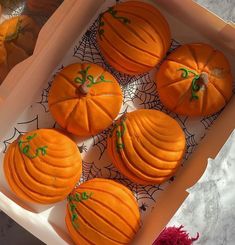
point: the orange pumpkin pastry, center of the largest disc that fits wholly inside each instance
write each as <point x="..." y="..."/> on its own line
<point x="101" y="211"/>
<point x="195" y="80"/>
<point x="84" y="99"/>
<point x="146" y="146"/>
<point x="133" y="37"/>
<point x="43" y="7"/>
<point x="18" y="37"/>
<point x="42" y="166"/>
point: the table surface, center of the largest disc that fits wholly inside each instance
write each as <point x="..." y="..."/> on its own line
<point x="13" y="234"/>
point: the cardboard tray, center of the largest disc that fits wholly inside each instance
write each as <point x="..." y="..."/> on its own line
<point x="27" y="78"/>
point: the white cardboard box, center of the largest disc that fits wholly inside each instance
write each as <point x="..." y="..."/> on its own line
<point x="189" y="23"/>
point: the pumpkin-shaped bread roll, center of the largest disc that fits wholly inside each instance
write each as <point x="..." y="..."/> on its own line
<point x="133" y="37"/>
<point x="42" y="166"/>
<point x="146" y="146"/>
<point x="18" y="37"/>
<point x="84" y="99"/>
<point x="101" y="211"/>
<point x="43" y="7"/>
<point x="195" y="80"/>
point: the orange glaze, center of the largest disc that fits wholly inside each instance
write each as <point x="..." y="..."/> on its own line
<point x="45" y="178"/>
<point x="137" y="45"/>
<point x="109" y="217"/>
<point x="175" y="91"/>
<point x="151" y="146"/>
<point x="84" y="114"/>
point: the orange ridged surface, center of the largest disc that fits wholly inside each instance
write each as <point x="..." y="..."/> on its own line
<point x="146" y="146"/>
<point x="101" y="211"/>
<point x="176" y="86"/>
<point x="43" y="7"/>
<point x="42" y="166"/>
<point x="133" y="37"/>
<point x="18" y="37"/>
<point x="84" y="114"/>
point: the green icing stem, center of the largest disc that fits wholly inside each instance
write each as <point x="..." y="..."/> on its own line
<point x="119" y="142"/>
<point x="113" y="13"/>
<point x="25" y="149"/>
<point x="195" y="87"/>
<point x="88" y="77"/>
<point x="76" y="198"/>
<point x="120" y="131"/>
<point x="74" y="218"/>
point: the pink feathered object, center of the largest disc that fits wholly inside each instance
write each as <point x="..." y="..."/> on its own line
<point x="175" y="236"/>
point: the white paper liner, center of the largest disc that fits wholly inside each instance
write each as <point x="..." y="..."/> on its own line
<point x="138" y="91"/>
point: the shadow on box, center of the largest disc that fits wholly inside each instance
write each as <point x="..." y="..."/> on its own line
<point x="34" y="208"/>
<point x="57" y="223"/>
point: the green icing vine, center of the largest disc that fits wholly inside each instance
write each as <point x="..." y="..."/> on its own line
<point x="87" y="77"/>
<point x="119" y="133"/>
<point x="78" y="198"/>
<point x="16" y="33"/>
<point x="26" y="148"/>
<point x="195" y="87"/>
<point x="114" y="13"/>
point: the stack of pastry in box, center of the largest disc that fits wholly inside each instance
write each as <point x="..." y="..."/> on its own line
<point x="146" y="146"/>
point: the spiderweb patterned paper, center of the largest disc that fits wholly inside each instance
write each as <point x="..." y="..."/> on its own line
<point x="138" y="91"/>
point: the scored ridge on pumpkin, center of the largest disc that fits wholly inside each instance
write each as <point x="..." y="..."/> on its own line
<point x="84" y="99"/>
<point x="97" y="213"/>
<point x="133" y="37"/>
<point x="146" y="146"/>
<point x="195" y="80"/>
<point x="42" y="166"/>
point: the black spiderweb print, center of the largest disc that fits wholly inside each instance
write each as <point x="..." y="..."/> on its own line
<point x="90" y="170"/>
<point x="82" y="148"/>
<point x="208" y="121"/>
<point x="174" y="45"/>
<point x="19" y="129"/>
<point x="191" y="143"/>
<point x="44" y="95"/>
<point x="140" y="191"/>
<point x="100" y="141"/>
<point x="141" y="92"/>
<point x="88" y="50"/>
<point x="12" y="138"/>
